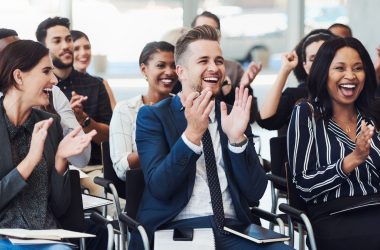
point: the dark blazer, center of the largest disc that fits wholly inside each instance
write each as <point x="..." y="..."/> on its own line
<point x="11" y="182"/>
<point x="169" y="166"/>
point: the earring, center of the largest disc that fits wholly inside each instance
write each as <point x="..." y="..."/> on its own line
<point x="146" y="78"/>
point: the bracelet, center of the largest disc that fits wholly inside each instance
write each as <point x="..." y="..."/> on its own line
<point x="239" y="144"/>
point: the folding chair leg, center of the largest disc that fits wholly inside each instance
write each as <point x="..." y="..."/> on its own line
<point x="82" y="243"/>
<point x="301" y="239"/>
<point x="274" y="194"/>
<point x="290" y="232"/>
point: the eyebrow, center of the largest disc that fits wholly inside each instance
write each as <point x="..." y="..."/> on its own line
<point x="58" y="37"/>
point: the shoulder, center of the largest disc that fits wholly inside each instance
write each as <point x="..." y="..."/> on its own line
<point x="159" y="109"/>
<point x="134" y="103"/>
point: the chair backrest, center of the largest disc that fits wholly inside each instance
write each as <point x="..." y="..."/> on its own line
<point x="293" y="197"/>
<point x="109" y="172"/>
<point x="134" y="189"/>
<point x="73" y="219"/>
<point x="279" y="157"/>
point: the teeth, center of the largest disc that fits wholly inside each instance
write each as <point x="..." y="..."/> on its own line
<point x="210" y="79"/>
<point x="167" y="80"/>
<point x="47" y="90"/>
<point x="349" y="86"/>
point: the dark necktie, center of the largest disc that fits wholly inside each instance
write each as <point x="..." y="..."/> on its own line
<point x="213" y="181"/>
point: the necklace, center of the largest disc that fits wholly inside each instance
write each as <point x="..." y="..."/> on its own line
<point x="347" y="124"/>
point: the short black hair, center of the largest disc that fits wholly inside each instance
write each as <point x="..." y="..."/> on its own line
<point x="154" y="47"/>
<point x="7" y="33"/>
<point x="206" y="14"/>
<point x="341" y="25"/>
<point x="76" y="34"/>
<point x="42" y="28"/>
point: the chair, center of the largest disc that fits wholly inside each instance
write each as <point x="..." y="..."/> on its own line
<point x="134" y="190"/>
<point x="296" y="212"/>
<point x="277" y="176"/>
<point x="114" y="186"/>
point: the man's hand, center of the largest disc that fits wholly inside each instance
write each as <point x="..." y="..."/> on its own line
<point x="249" y="75"/>
<point x="76" y="104"/>
<point x="235" y="123"/>
<point x="197" y="111"/>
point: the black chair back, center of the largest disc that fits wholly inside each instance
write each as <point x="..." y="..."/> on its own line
<point x="278" y="156"/>
<point x="73" y="219"/>
<point x="294" y="199"/>
<point x="134" y="190"/>
<point x="109" y="172"/>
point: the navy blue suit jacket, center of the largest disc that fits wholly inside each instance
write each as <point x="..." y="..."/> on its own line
<point x="169" y="166"/>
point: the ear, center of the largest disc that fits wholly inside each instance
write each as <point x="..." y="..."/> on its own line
<point x="143" y="69"/>
<point x="180" y="72"/>
<point x="17" y="76"/>
<point x="305" y="68"/>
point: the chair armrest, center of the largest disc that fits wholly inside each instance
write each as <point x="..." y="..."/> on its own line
<point x="103" y="182"/>
<point x="265" y="215"/>
<point x="281" y="181"/>
<point x="129" y="221"/>
<point x="294" y="213"/>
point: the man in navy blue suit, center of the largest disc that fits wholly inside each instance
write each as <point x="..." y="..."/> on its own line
<point x="173" y="158"/>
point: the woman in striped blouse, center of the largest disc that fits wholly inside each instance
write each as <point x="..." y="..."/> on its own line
<point x="334" y="147"/>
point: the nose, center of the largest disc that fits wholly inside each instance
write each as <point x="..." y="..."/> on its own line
<point x="350" y="74"/>
<point x="53" y="79"/>
<point x="212" y="66"/>
<point x="169" y="71"/>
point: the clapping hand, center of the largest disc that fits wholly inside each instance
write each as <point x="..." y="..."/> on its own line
<point x="76" y="103"/>
<point x="250" y="74"/>
<point x="197" y="110"/>
<point x="289" y="61"/>
<point x="37" y="143"/>
<point x="235" y="123"/>
<point x="363" y="141"/>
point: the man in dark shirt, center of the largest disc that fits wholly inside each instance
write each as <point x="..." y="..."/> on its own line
<point x="88" y="96"/>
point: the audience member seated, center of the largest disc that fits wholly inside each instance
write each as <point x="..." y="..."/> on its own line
<point x="58" y="104"/>
<point x="197" y="155"/>
<point x="82" y="59"/>
<point x="35" y="187"/>
<point x="277" y="107"/>
<point x="88" y="96"/>
<point x="157" y="65"/>
<point x="334" y="147"/>
<point x="341" y="30"/>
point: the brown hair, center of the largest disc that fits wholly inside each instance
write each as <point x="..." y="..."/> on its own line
<point x="204" y="32"/>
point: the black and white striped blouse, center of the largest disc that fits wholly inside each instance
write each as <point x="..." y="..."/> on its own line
<point x="316" y="150"/>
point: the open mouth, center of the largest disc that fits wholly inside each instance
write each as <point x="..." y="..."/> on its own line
<point x="47" y="91"/>
<point x="347" y="89"/>
<point x="211" y="80"/>
<point x="167" y="81"/>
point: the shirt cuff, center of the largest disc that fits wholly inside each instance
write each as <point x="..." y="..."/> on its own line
<point x="237" y="150"/>
<point x="339" y="169"/>
<point x="195" y="148"/>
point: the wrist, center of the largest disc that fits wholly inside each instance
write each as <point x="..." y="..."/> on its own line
<point x="238" y="142"/>
<point x="60" y="164"/>
<point x="193" y="137"/>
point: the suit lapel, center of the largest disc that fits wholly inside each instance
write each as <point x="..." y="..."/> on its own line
<point x="178" y="113"/>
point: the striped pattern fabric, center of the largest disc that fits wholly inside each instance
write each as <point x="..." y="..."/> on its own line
<point x="316" y="150"/>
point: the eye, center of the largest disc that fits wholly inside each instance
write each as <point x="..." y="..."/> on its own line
<point x="69" y="39"/>
<point x="46" y="71"/>
<point x="76" y="48"/>
<point x="172" y="66"/>
<point x="160" y="65"/>
<point x="219" y="62"/>
<point x="339" y="68"/>
<point x="358" y="68"/>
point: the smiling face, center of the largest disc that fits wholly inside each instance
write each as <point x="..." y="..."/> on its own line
<point x="82" y="54"/>
<point x="60" y="44"/>
<point x="202" y="66"/>
<point x="346" y="77"/>
<point x="160" y="72"/>
<point x="37" y="83"/>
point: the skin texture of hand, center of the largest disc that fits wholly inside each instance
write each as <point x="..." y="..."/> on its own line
<point x="72" y="144"/>
<point x="249" y="75"/>
<point x="362" y="149"/>
<point x="289" y="61"/>
<point x="235" y="123"/>
<point x="38" y="141"/>
<point x="76" y="103"/>
<point x="197" y="111"/>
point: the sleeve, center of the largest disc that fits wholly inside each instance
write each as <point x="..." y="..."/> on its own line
<point x="10" y="185"/>
<point x="68" y="123"/>
<point x="165" y="167"/>
<point x="104" y="112"/>
<point x="247" y="171"/>
<point x="282" y="115"/>
<point x="121" y="139"/>
<point x="310" y="177"/>
<point x="60" y="195"/>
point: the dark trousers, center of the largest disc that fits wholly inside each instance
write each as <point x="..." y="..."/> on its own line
<point x="352" y="230"/>
<point x="223" y="242"/>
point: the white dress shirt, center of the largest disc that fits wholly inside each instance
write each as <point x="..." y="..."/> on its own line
<point x="69" y="122"/>
<point x="123" y="133"/>
<point x="200" y="200"/>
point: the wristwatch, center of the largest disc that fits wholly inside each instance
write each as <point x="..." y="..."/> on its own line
<point x="240" y="144"/>
<point x="86" y="122"/>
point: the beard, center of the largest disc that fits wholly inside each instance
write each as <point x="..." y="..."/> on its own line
<point x="60" y="65"/>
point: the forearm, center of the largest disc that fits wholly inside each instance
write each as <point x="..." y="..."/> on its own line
<point x="272" y="100"/>
<point x="101" y="129"/>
